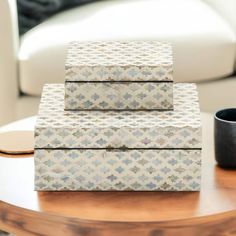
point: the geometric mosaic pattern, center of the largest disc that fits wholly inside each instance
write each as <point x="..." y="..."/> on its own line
<point x="117" y="138"/>
<point x="139" y="170"/>
<point x="119" y="61"/>
<point x="181" y="128"/>
<point x="119" y="95"/>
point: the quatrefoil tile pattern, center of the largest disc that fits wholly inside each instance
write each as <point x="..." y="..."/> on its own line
<point x="119" y="61"/>
<point x="118" y="96"/>
<point x="138" y="170"/>
<point x="57" y="128"/>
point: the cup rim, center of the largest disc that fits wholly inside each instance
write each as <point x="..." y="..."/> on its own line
<point x="225" y="109"/>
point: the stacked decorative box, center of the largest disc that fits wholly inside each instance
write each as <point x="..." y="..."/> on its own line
<point x="119" y="76"/>
<point x="118" y="123"/>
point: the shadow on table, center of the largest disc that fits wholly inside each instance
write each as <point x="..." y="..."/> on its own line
<point x="128" y="206"/>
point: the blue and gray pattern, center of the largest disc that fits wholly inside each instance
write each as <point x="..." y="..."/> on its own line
<point x="137" y="170"/>
<point x="118" y="96"/>
<point x="119" y="61"/>
<point x="56" y="128"/>
<point x="126" y="150"/>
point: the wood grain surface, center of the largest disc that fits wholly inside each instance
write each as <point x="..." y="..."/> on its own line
<point x="212" y="211"/>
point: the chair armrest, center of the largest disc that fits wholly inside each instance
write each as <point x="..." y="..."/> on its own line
<point x="226" y="8"/>
<point x="8" y="60"/>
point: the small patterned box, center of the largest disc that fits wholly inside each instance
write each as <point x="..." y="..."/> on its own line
<point x="126" y="150"/>
<point x="119" y="75"/>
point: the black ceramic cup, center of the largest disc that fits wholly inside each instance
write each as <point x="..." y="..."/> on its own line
<point x="225" y="137"/>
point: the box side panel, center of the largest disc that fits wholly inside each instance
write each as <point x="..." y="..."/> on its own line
<point x="119" y="73"/>
<point x="157" y="137"/>
<point x="117" y="170"/>
<point x="118" y="96"/>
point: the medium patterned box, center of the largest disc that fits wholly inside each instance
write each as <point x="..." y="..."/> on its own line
<point x="125" y="150"/>
<point x="119" y="75"/>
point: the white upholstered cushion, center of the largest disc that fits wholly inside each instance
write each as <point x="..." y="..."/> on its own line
<point x="204" y="44"/>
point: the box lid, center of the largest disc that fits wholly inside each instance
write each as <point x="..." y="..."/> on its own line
<point x="56" y="128"/>
<point x="119" y="61"/>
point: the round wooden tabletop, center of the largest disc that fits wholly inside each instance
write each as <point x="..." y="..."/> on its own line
<point x="26" y="212"/>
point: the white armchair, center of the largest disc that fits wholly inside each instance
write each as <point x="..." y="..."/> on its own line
<point x="226" y="9"/>
<point x="203" y="34"/>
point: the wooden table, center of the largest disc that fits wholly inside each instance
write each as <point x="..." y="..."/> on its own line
<point x="212" y="211"/>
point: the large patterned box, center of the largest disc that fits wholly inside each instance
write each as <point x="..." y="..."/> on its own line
<point x="119" y="75"/>
<point x="125" y="150"/>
